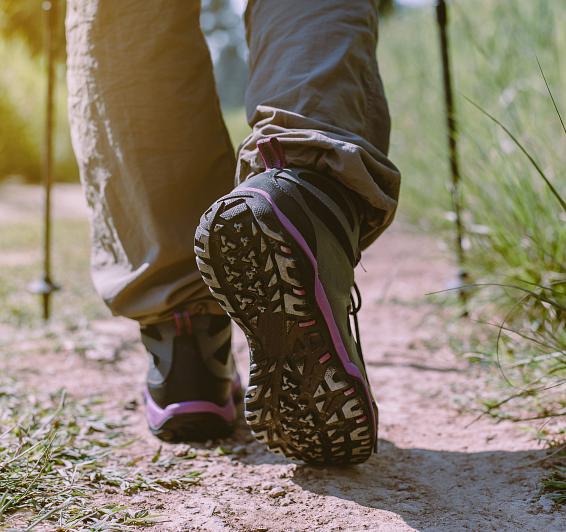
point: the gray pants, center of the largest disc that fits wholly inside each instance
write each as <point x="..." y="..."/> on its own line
<point x="153" y="150"/>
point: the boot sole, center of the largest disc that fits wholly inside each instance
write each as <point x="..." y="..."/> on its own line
<point x="305" y="399"/>
<point x="193" y="428"/>
<point x="192" y="420"/>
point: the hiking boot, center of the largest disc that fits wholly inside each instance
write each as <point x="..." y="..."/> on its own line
<point x="278" y="254"/>
<point x="192" y="383"/>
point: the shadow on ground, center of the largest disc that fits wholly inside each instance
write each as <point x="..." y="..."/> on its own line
<point x="433" y="489"/>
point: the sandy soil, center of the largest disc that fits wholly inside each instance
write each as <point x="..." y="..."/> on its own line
<point x="436" y="470"/>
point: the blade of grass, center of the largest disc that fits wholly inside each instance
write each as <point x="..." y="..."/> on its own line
<point x="47" y="515"/>
<point x="503" y="285"/>
<point x="551" y="95"/>
<point x="523" y="149"/>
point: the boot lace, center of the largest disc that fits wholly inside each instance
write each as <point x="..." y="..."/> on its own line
<point x="355" y="308"/>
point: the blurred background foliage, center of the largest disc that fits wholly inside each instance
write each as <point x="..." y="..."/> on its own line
<point x="22" y="83"/>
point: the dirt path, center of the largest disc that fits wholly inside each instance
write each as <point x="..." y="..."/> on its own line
<point x="434" y="471"/>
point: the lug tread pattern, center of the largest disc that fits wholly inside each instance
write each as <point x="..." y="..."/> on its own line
<point x="300" y="402"/>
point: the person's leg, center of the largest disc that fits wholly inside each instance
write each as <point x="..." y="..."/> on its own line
<point x="151" y="145"/>
<point x="315" y="85"/>
<point x="278" y="252"/>
<point x="153" y="152"/>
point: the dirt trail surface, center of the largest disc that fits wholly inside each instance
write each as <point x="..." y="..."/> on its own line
<point x="434" y="471"/>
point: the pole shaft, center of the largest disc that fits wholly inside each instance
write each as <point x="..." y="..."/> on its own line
<point x="51" y="21"/>
<point x="452" y="129"/>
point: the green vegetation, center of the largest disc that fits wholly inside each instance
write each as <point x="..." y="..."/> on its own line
<point x="20" y="263"/>
<point x="57" y="454"/>
<point x="22" y="86"/>
<point x="237" y="125"/>
<point x="514" y="184"/>
<point x="22" y="102"/>
<point x="22" y="89"/>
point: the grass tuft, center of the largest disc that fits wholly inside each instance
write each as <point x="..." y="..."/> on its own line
<point x="58" y="453"/>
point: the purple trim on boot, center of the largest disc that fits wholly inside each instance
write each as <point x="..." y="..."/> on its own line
<point x="321" y="299"/>
<point x="157" y="416"/>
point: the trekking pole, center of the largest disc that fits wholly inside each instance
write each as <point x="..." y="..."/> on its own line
<point x="45" y="286"/>
<point x="452" y="129"/>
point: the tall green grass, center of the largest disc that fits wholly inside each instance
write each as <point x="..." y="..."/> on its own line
<point x="513" y="157"/>
<point x="516" y="227"/>
<point x="494" y="49"/>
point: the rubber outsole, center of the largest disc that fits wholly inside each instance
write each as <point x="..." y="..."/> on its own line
<point x="193" y="427"/>
<point x="301" y="401"/>
<point x="196" y="425"/>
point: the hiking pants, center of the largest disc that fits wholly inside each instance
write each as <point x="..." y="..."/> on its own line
<point x="154" y="153"/>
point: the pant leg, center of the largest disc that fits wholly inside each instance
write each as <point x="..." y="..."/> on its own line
<point x="151" y="145"/>
<point x="315" y="84"/>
